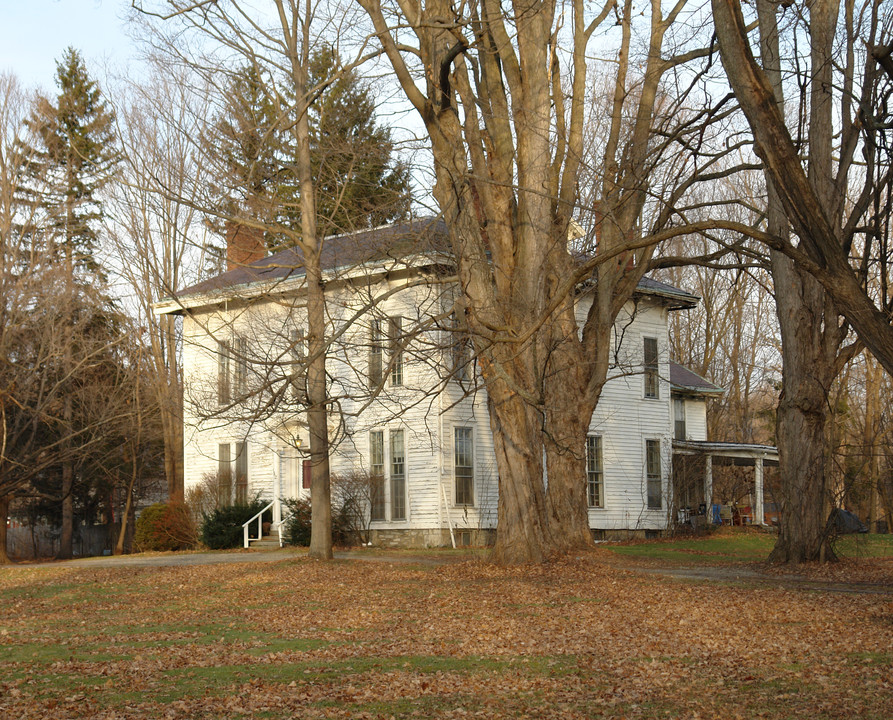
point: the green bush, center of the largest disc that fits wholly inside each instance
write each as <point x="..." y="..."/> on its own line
<point x="164" y="526"/>
<point x="222" y="529"/>
<point x="297" y="524"/>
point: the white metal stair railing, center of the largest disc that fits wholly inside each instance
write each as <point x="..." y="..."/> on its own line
<point x="260" y="526"/>
<point x="279" y="528"/>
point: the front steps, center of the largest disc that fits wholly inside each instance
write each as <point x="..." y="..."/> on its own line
<point x="267" y="542"/>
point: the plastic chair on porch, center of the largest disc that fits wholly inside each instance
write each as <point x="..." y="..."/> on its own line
<point x="725" y="514"/>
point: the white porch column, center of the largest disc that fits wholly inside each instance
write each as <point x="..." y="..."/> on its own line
<point x="758" y="482"/>
<point x="708" y="486"/>
<point x="277" y="487"/>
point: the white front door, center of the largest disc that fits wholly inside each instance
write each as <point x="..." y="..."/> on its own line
<point x="292" y="461"/>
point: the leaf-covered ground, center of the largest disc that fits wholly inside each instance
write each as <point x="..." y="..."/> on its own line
<point x="348" y="639"/>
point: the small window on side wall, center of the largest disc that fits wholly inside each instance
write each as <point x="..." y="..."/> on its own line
<point x="224" y="354"/>
<point x="376" y="475"/>
<point x="653" y="475"/>
<point x="463" y="457"/>
<point x="594" y="472"/>
<point x="652" y="377"/>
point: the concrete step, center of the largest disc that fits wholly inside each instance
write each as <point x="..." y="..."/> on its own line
<point x="267" y="541"/>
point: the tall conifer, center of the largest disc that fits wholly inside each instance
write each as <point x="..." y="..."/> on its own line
<point x="73" y="153"/>
<point x="359" y="183"/>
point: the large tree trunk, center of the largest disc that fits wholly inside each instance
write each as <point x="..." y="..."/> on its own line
<point x="802" y="417"/>
<point x="810" y="338"/>
<point x="506" y="136"/>
<point x="4" y="514"/>
<point x="317" y="416"/>
<point x="317" y="394"/>
<point x="523" y="533"/>
<point x="569" y="408"/>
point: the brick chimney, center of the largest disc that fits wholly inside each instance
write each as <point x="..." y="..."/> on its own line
<point x="244" y="245"/>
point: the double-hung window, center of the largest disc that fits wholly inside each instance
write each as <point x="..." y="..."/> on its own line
<point x="376" y="475"/>
<point x="240" y="374"/>
<point x="653" y="479"/>
<point x="376" y="352"/>
<point x="679" y="418"/>
<point x="229" y="490"/>
<point x="386" y="332"/>
<point x="241" y="472"/>
<point x="224" y="475"/>
<point x="223" y="369"/>
<point x="395" y="348"/>
<point x="463" y="459"/>
<point x="652" y="377"/>
<point x="594" y="472"/>
<point x="398" y="476"/>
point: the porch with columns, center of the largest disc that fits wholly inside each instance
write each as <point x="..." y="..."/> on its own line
<point x="727" y="453"/>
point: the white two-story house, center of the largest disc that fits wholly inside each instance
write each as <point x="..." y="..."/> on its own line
<point x="408" y="410"/>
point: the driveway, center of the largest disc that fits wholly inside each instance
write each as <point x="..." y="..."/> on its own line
<point x="184" y="559"/>
<point x="735" y="574"/>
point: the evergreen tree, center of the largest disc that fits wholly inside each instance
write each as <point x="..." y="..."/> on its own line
<point x="245" y="144"/>
<point x="358" y="184"/>
<point x="72" y="156"/>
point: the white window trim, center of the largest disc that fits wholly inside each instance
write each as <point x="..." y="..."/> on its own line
<point x="601" y="471"/>
<point x="387" y="457"/>
<point x="385" y="489"/>
<point x="663" y="488"/>
<point x="647" y="370"/>
<point x="474" y="493"/>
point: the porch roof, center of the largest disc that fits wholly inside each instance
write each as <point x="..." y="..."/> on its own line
<point x="728" y="453"/>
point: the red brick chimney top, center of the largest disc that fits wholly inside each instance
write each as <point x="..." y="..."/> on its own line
<point x="244" y="245"/>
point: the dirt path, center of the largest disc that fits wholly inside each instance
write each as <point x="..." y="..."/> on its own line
<point x="234" y="556"/>
<point x="743" y="574"/>
<point x="751" y="576"/>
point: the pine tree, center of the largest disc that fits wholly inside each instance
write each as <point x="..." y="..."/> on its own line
<point x="244" y="144"/>
<point x="73" y="154"/>
<point x="358" y="184"/>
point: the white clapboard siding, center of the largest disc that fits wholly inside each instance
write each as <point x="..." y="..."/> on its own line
<point x="427" y="407"/>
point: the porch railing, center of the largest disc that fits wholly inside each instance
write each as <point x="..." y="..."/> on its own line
<point x="260" y="525"/>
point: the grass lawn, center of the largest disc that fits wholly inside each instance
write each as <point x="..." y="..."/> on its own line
<point x="739" y="545"/>
<point x="297" y="638"/>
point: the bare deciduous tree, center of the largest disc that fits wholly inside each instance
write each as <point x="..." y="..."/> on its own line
<point x="502" y="91"/>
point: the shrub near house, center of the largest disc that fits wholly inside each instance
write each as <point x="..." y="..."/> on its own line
<point x="222" y="528"/>
<point x="164" y="526"/>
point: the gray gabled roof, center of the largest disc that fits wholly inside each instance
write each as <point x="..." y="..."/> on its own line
<point x="338" y="251"/>
<point x="416" y="237"/>
<point x="683" y="380"/>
